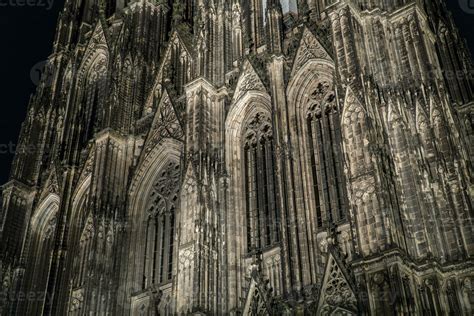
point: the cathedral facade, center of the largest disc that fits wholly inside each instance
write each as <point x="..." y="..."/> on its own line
<point x="257" y="157"/>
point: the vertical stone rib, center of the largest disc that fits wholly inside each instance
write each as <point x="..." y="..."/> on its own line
<point x="348" y="43"/>
<point x="339" y="46"/>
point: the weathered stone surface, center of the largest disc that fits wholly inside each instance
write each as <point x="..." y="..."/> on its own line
<point x="240" y="157"/>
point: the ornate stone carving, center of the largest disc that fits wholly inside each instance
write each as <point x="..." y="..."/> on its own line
<point x="77" y="300"/>
<point x="166" y="124"/>
<point x="309" y="49"/>
<point x="50" y="228"/>
<point x="257" y="306"/>
<point x="336" y="292"/>
<point x="248" y="81"/>
<point x="259" y="127"/>
<point x="164" y="196"/>
<point x="88" y="230"/>
<point x="208" y="86"/>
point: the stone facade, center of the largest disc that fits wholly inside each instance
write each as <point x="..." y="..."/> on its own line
<point x="309" y="157"/>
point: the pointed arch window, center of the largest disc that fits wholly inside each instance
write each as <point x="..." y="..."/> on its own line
<point x="160" y="227"/>
<point x="40" y="254"/>
<point x="324" y="141"/>
<point x="90" y="111"/>
<point x="85" y="249"/>
<point x="262" y="213"/>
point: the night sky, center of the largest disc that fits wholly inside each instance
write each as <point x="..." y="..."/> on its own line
<point x="26" y="37"/>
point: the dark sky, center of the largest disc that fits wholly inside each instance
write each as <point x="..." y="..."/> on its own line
<point x="26" y="36"/>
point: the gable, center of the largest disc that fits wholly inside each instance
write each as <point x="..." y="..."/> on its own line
<point x="96" y="54"/>
<point x="310" y="48"/>
<point x="176" y="41"/>
<point x="258" y="301"/>
<point x="51" y="185"/>
<point x="98" y="38"/>
<point x="166" y="124"/>
<point x="336" y="294"/>
<point x="255" y="304"/>
<point x="249" y="81"/>
<point x="98" y="34"/>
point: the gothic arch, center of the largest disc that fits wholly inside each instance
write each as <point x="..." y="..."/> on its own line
<point x="363" y="187"/>
<point x="314" y="108"/>
<point x="250" y="105"/>
<point x="89" y="110"/>
<point x="40" y="252"/>
<point x="96" y="48"/>
<point x="317" y="169"/>
<point x="81" y="225"/>
<point x="253" y="107"/>
<point x="46" y="210"/>
<point x="147" y="168"/>
<point x="152" y="213"/>
<point x="240" y="113"/>
<point x="80" y="213"/>
<point x="308" y="74"/>
<point x="94" y="61"/>
<point x="79" y="193"/>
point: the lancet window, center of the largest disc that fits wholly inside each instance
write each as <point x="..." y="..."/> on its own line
<point x="41" y="247"/>
<point x="324" y="142"/>
<point x="94" y="95"/>
<point x="160" y="229"/>
<point x="262" y="213"/>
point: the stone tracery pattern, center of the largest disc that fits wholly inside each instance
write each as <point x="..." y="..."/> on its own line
<point x="326" y="161"/>
<point x="263" y="216"/>
<point x="257" y="307"/>
<point x="245" y="157"/>
<point x="337" y="292"/>
<point x="160" y="230"/>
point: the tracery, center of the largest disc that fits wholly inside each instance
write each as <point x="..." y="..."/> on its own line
<point x="260" y="184"/>
<point x="324" y="142"/>
<point x="160" y="226"/>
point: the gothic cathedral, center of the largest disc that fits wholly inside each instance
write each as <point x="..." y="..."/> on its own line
<point x="245" y="157"/>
